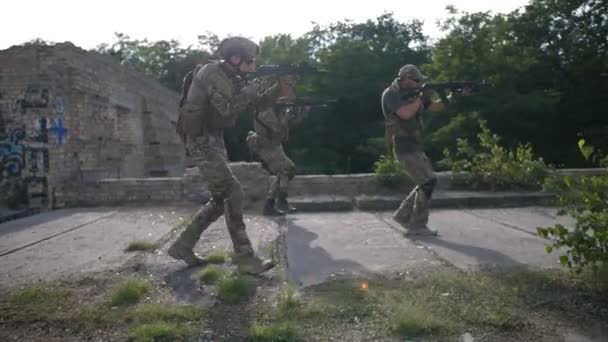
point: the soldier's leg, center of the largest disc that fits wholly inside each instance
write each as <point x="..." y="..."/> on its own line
<point x="285" y="170"/>
<point x="420" y="217"/>
<point x="244" y="255"/>
<point x="234" y="220"/>
<point x="210" y="164"/>
<point x="404" y="213"/>
<point x="414" y="211"/>
<point x="183" y="247"/>
<point x="284" y="178"/>
<point x="270" y="208"/>
<point x="267" y="155"/>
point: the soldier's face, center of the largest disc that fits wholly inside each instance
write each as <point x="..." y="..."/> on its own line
<point x="409" y="83"/>
<point x="243" y="64"/>
<point x="248" y="65"/>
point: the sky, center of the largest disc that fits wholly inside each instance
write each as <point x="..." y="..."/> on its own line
<point x="88" y="24"/>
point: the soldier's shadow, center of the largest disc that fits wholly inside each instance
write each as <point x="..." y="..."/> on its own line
<point x="311" y="262"/>
<point x="186" y="287"/>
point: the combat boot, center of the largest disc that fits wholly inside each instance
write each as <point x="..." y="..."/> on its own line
<point x="283" y="205"/>
<point x="180" y="252"/>
<point x="253" y="265"/>
<point x="270" y="210"/>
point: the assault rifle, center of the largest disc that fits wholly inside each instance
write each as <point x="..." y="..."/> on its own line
<point x="277" y="70"/>
<point x="304" y="102"/>
<point x="440" y="88"/>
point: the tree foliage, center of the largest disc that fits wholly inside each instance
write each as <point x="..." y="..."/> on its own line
<point x="547" y="64"/>
<point x="586" y="200"/>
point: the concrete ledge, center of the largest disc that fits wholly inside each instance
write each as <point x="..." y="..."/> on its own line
<point x="378" y="203"/>
<point x="9" y="215"/>
<point x="459" y="199"/>
<point x="314" y="192"/>
<point x="471" y="199"/>
<point x="582" y="172"/>
<point x="321" y="203"/>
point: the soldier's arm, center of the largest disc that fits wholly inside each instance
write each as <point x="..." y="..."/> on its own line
<point x="270" y="120"/>
<point x="282" y="89"/>
<point x="408" y="111"/>
<point x="268" y="98"/>
<point x="227" y="104"/>
<point x="404" y="110"/>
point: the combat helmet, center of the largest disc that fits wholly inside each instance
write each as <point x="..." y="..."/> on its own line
<point x="237" y="46"/>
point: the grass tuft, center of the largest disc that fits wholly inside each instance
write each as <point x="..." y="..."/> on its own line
<point x="160" y="331"/>
<point x="217" y="257"/>
<point x="231" y="289"/>
<point x="130" y="292"/>
<point x="414" y="321"/>
<point x="289" y="305"/>
<point x="275" y="332"/>
<point x="210" y="274"/>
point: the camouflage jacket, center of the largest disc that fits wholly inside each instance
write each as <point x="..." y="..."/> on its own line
<point x="214" y="100"/>
<point x="402" y="133"/>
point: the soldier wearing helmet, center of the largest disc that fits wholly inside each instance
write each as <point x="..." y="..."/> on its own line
<point x="212" y="97"/>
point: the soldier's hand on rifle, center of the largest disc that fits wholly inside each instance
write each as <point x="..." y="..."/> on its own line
<point x="252" y="90"/>
<point x="427" y="92"/>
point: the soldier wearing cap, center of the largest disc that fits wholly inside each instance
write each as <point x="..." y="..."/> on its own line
<point x="213" y="95"/>
<point x="404" y="130"/>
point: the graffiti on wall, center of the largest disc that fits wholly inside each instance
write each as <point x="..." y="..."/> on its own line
<point x="58" y="106"/>
<point x="24" y="153"/>
<point x="41" y="131"/>
<point x="12" y="153"/>
<point x="37" y="161"/>
<point x="34" y="96"/>
<point x="59" y="130"/>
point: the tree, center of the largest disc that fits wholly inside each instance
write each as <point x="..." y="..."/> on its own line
<point x="544" y="64"/>
<point x="161" y="60"/>
<point x="362" y="59"/>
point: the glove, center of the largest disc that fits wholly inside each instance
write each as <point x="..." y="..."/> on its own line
<point x="251" y="91"/>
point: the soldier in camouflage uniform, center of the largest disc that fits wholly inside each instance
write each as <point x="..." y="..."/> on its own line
<point x="213" y="95"/>
<point x="271" y="128"/>
<point x="404" y="129"/>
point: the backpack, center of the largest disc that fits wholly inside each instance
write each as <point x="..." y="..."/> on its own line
<point x="187" y="119"/>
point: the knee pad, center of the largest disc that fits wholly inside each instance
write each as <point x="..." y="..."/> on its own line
<point x="429" y="187"/>
<point x="290" y="173"/>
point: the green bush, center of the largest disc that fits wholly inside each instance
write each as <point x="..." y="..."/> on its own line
<point x="492" y="167"/>
<point x="586" y="200"/>
<point x="388" y="171"/>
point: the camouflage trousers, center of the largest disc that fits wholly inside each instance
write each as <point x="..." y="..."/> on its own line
<point x="209" y="154"/>
<point x="414" y="209"/>
<point x="275" y="161"/>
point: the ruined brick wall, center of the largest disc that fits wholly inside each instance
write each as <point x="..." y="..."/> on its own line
<point x="87" y="116"/>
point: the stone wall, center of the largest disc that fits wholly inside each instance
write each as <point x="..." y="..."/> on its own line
<point x="254" y="181"/>
<point x="72" y="115"/>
